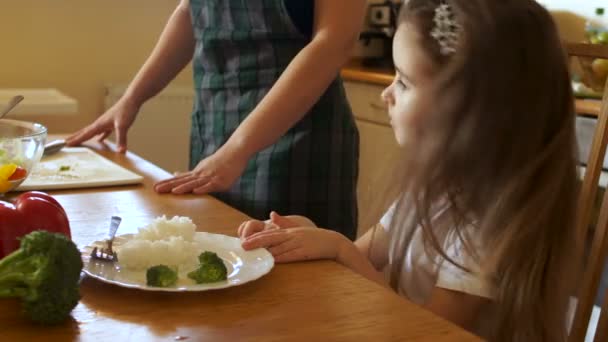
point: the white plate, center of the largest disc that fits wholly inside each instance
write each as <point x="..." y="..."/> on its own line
<point x="243" y="266"/>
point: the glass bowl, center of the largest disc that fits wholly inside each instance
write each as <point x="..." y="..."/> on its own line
<point x="21" y="147"/>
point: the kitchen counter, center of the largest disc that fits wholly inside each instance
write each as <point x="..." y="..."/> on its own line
<point x="355" y="71"/>
<point x="40" y="102"/>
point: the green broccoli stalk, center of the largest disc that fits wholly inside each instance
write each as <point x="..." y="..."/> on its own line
<point x="44" y="273"/>
<point x="211" y="269"/>
<point x="161" y="276"/>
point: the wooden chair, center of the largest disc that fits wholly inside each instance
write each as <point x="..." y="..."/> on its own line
<point x="596" y="258"/>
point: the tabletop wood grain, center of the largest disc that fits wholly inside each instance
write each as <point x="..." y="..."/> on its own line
<point x="311" y="301"/>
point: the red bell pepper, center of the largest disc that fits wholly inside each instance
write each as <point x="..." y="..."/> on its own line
<point x="29" y="212"/>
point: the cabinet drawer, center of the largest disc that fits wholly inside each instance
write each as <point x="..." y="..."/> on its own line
<point x="378" y="157"/>
<point x="366" y="103"/>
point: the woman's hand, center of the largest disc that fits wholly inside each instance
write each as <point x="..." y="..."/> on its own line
<point x="118" y="118"/>
<point x="297" y="244"/>
<point x="215" y="173"/>
<point x="171" y="54"/>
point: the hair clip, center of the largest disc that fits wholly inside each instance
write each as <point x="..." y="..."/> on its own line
<point x="446" y="30"/>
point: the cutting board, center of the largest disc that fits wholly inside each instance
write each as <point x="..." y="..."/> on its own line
<point x="77" y="167"/>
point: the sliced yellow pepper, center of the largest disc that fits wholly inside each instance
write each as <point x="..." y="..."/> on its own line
<point x="5" y="172"/>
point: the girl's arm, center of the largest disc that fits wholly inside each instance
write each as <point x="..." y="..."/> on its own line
<point x="336" y="31"/>
<point x="459" y="308"/>
<point x="307" y="243"/>
<point x="354" y="256"/>
<point x="460" y="295"/>
<point x="366" y="256"/>
<point x="374" y="244"/>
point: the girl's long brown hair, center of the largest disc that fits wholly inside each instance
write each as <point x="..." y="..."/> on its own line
<point x="499" y="144"/>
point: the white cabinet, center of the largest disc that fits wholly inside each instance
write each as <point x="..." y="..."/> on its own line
<point x="378" y="150"/>
<point x="366" y="103"/>
<point x="39" y="101"/>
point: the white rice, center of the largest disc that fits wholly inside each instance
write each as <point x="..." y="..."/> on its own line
<point x="162" y="229"/>
<point x="166" y="242"/>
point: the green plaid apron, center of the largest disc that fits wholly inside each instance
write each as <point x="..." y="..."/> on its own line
<point x="242" y="47"/>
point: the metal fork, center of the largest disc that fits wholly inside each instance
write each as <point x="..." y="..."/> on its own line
<point x="107" y="254"/>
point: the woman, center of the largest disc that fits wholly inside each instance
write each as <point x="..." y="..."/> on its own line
<point x="271" y="128"/>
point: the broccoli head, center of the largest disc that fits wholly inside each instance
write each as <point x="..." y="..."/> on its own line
<point x="211" y="269"/>
<point x="44" y="272"/>
<point x="209" y="258"/>
<point x="161" y="276"/>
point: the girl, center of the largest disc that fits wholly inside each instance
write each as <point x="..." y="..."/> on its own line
<point x="482" y="232"/>
<point x="271" y="127"/>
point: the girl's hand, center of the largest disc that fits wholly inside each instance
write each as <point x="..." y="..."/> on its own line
<point x="276" y="221"/>
<point x="289" y="244"/>
<point x="215" y="173"/>
<point x="118" y="118"/>
<point x="296" y="244"/>
<point x="251" y="227"/>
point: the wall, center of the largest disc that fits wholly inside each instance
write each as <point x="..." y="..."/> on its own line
<point x="78" y="47"/>
<point x="571" y="15"/>
<point x="585" y="8"/>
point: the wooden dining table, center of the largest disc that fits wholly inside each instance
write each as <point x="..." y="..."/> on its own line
<point x="306" y="301"/>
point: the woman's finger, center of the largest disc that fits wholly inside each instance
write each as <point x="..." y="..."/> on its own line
<point x="210" y="187"/>
<point x="103" y="136"/>
<point x="178" y="177"/>
<point x="183" y="187"/>
<point x="121" y="138"/>
<point x="168" y="184"/>
<point x="86" y="134"/>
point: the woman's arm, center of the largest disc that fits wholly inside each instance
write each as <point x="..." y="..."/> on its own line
<point x="337" y="27"/>
<point x="170" y="55"/>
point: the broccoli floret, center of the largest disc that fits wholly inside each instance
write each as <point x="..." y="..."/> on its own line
<point x="209" y="258"/>
<point x="44" y="272"/>
<point x="161" y="276"/>
<point x="209" y="273"/>
<point x="211" y="269"/>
